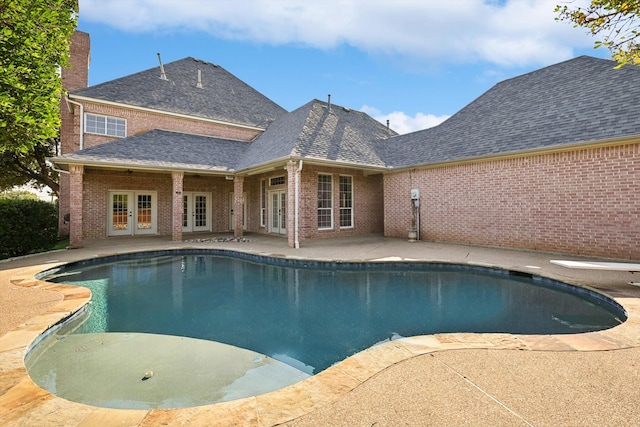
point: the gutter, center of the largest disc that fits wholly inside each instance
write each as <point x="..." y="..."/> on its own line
<point x="551" y="149"/>
<point x="166" y="113"/>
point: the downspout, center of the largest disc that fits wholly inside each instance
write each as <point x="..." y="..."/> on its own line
<point x="53" y="167"/>
<point x="81" y="120"/>
<point x="296" y="243"/>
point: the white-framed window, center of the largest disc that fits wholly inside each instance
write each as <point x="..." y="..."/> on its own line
<point x="277" y="180"/>
<point x="263" y="202"/>
<point x="325" y="202"/>
<point x="104" y="125"/>
<point x="346" y="201"/>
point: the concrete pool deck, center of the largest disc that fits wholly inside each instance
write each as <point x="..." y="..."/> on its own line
<point x="442" y="379"/>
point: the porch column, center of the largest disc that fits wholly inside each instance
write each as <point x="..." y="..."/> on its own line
<point x="238" y="208"/>
<point x="176" y="224"/>
<point x="292" y="168"/>
<point x="76" y="173"/>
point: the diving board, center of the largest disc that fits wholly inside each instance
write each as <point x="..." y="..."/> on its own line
<point x="594" y="265"/>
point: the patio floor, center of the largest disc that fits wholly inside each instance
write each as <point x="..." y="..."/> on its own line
<point x="443" y="379"/>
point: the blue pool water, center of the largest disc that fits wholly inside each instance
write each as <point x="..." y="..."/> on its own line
<point x="313" y="315"/>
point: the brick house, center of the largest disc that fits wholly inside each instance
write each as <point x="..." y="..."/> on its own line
<point x="187" y="147"/>
<point x="546" y="161"/>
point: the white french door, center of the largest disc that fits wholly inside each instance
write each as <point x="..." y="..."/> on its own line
<point x="232" y="219"/>
<point x="131" y="213"/>
<point x="278" y="209"/>
<point x="196" y="212"/>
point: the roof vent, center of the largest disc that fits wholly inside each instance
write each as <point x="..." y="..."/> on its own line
<point x="387" y="124"/>
<point x="329" y="101"/>
<point x="163" y="75"/>
<point x="199" y="84"/>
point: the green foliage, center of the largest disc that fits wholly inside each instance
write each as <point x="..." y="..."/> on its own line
<point x="18" y="194"/>
<point x="30" y="167"/>
<point x="27" y="226"/>
<point x="616" y="21"/>
<point x="34" y="44"/>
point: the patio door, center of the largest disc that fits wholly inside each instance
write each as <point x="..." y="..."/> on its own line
<point x="232" y="218"/>
<point x="278" y="209"/>
<point x="196" y="212"/>
<point x="132" y="213"/>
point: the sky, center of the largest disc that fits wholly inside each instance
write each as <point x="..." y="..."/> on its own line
<point x="412" y="62"/>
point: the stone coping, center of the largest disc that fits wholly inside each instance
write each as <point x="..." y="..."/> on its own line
<point x="22" y="402"/>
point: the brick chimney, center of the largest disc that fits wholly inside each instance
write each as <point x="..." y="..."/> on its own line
<point x="74" y="76"/>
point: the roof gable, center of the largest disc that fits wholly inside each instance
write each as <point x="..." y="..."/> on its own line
<point x="580" y="100"/>
<point x="322" y="132"/>
<point x="222" y="96"/>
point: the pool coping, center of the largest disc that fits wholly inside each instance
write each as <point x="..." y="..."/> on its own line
<point x="24" y="401"/>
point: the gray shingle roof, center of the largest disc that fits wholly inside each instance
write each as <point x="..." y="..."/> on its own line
<point x="222" y="97"/>
<point x="160" y="148"/>
<point x="580" y="100"/>
<point x="315" y="131"/>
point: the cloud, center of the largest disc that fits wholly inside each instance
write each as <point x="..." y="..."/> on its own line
<point x="402" y="122"/>
<point x="505" y="33"/>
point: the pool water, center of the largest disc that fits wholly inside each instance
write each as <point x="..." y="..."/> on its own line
<point x="312" y="315"/>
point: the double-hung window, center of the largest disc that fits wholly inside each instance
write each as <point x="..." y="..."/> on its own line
<point x="104" y="125"/>
<point x="325" y="202"/>
<point x="346" y="201"/>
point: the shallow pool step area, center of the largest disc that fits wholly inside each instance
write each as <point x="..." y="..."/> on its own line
<point x="146" y="371"/>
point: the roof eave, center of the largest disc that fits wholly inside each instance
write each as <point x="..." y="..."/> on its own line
<point x="558" y="148"/>
<point x="62" y="162"/>
<point x="276" y="163"/>
<point x="163" y="112"/>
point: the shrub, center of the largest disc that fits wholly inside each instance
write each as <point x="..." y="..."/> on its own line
<point x="27" y="226"/>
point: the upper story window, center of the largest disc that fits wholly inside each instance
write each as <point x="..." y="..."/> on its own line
<point x="103" y="125"/>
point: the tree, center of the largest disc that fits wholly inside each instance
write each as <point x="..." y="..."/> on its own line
<point x="616" y="21"/>
<point x="30" y="167"/>
<point x="34" y="44"/>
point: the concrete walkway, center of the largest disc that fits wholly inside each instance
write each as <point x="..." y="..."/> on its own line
<point x="444" y="379"/>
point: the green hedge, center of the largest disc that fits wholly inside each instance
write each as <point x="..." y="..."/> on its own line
<point x="27" y="226"/>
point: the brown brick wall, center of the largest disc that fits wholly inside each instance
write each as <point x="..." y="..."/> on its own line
<point x="74" y="76"/>
<point x="578" y="202"/>
<point x="144" y="121"/>
<point x="97" y="184"/>
<point x="368" y="205"/>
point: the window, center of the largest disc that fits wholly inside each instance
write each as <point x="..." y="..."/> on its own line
<point x="346" y="201"/>
<point x="263" y="202"/>
<point x="103" y="125"/>
<point x="325" y="202"/>
<point x="278" y="180"/>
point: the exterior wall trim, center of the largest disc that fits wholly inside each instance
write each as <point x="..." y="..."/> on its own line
<point x="167" y="113"/>
<point x="563" y="148"/>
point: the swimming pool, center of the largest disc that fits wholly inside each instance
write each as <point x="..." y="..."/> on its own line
<point x="311" y="315"/>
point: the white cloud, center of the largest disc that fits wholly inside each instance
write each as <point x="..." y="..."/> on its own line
<point x="402" y="122"/>
<point x="505" y="33"/>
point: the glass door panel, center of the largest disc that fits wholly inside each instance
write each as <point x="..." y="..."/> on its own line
<point x="145" y="213"/>
<point x="120" y="214"/>
<point x="196" y="212"/>
<point x="200" y="212"/>
<point x="278" y="220"/>
<point x="131" y="212"/>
